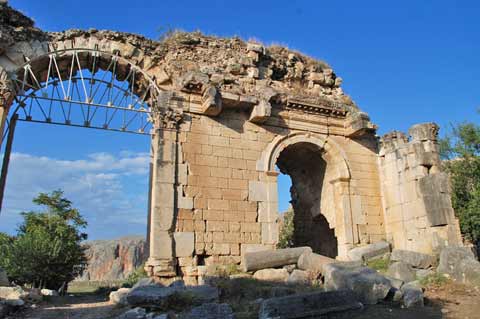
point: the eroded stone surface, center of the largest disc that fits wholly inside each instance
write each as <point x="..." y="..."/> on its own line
<point x="313" y="262"/>
<point x="460" y="264"/>
<point x="368" y="285"/>
<point x="210" y="311"/>
<point x="155" y="296"/>
<point x="119" y="297"/>
<point x="415" y="259"/>
<point x="369" y="251"/>
<point x="136" y="313"/>
<point x="299" y="277"/>
<point x="13" y="296"/>
<point x="280" y="275"/>
<point x="412" y="295"/>
<point x="401" y="270"/>
<point x="308" y="305"/>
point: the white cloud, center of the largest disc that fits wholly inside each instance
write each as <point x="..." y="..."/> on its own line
<point x="109" y="190"/>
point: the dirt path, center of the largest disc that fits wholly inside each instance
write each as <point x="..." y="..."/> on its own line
<point x="88" y="306"/>
<point x="449" y="301"/>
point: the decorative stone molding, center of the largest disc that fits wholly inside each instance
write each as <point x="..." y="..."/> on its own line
<point x="166" y="114"/>
<point x="7" y="92"/>
<point x="211" y="101"/>
<point x="333" y="109"/>
<point x="170" y="118"/>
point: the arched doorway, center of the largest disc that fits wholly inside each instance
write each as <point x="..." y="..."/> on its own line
<point x="321" y="191"/>
<point x="304" y="164"/>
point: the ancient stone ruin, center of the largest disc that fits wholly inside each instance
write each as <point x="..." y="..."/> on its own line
<point x="224" y="113"/>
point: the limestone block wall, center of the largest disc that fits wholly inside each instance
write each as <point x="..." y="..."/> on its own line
<point x="218" y="158"/>
<point x="227" y="190"/>
<point x="366" y="199"/>
<point x="416" y="196"/>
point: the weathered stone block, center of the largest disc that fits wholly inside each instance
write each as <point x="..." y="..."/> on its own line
<point x="424" y="132"/>
<point x="401" y="270"/>
<point x="299" y="277"/>
<point x="412" y="295"/>
<point x="369" y="251"/>
<point x="308" y="305"/>
<point x="257" y="191"/>
<point x="367" y="284"/>
<point x="415" y="259"/>
<point x="119" y="297"/>
<point x="313" y="262"/>
<point x="184" y="244"/>
<point x="271" y="274"/>
<point x="211" y="311"/>
<point x="267" y="259"/>
<point x="460" y="264"/>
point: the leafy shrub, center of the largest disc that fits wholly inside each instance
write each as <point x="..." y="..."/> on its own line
<point x="287" y="228"/>
<point x="461" y="150"/>
<point x="46" y="252"/>
<point x="135" y="276"/>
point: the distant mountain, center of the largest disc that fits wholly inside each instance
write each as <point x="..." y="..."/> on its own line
<point x="114" y="259"/>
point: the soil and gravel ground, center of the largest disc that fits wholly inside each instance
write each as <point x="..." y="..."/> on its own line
<point x="447" y="301"/>
<point x="81" y="306"/>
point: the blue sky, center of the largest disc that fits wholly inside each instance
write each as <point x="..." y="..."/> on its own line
<point x="403" y="62"/>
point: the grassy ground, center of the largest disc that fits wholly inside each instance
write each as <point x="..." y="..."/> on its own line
<point x="83" y="287"/>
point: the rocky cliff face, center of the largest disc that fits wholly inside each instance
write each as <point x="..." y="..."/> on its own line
<point x="114" y="259"/>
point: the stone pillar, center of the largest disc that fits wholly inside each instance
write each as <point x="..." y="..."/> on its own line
<point x="344" y="227"/>
<point x="163" y="194"/>
<point x="6" y="98"/>
<point x="266" y="193"/>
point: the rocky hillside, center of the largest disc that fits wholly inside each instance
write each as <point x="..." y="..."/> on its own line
<point x="114" y="259"/>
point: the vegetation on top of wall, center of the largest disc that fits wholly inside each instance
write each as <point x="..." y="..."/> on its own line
<point x="461" y="151"/>
<point x="46" y="252"/>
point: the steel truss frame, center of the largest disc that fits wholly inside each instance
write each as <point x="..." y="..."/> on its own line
<point x="90" y="95"/>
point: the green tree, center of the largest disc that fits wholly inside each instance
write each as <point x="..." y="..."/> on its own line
<point x="47" y="251"/>
<point x="287" y="228"/>
<point x="461" y="153"/>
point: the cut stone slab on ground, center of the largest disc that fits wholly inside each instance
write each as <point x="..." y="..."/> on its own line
<point x="368" y="285"/>
<point x="308" y="305"/>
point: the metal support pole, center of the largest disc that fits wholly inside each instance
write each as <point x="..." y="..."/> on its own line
<point x="6" y="157"/>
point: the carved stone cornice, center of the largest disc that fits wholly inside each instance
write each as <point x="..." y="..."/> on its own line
<point x="168" y="118"/>
<point x="315" y="108"/>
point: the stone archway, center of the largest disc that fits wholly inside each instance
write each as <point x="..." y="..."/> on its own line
<point x="304" y="163"/>
<point x="323" y="196"/>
